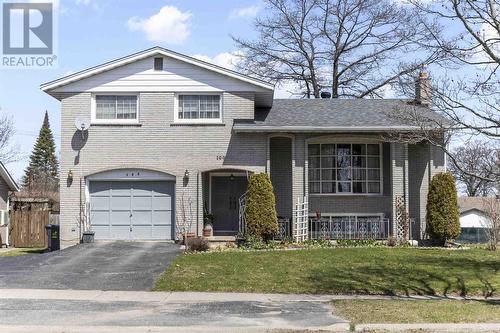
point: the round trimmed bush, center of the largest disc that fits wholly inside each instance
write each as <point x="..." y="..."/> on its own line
<point x="443" y="221"/>
<point x="261" y="217"/>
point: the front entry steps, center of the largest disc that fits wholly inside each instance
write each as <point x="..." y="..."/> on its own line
<point x="221" y="238"/>
<point x="221" y="241"/>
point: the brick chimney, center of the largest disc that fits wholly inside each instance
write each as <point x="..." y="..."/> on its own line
<point x="423" y="89"/>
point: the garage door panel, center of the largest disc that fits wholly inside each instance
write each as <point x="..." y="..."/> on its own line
<point x="119" y="218"/>
<point x="100" y="218"/>
<point x="142" y="189"/>
<point x="162" y="232"/>
<point x="161" y="203"/>
<point x="120" y="203"/>
<point x="141" y="217"/>
<point x="100" y="188"/>
<point x="101" y="231"/>
<point x="132" y="209"/>
<point x="163" y="188"/>
<point x="99" y="203"/>
<point x="141" y="203"/>
<point x="143" y="232"/>
<point x="120" y="188"/>
<point x="119" y="232"/>
<point x="162" y="217"/>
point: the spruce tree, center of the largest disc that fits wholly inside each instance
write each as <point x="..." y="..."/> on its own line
<point x="42" y="173"/>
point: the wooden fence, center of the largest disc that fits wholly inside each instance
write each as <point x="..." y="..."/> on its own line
<point x="27" y="228"/>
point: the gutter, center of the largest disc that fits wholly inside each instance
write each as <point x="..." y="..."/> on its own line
<point x="242" y="128"/>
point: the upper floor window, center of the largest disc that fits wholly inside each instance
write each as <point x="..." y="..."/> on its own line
<point x="115" y="108"/>
<point x="199" y="108"/>
<point x="345" y="168"/>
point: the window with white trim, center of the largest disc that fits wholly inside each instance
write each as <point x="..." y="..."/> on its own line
<point x="199" y="107"/>
<point x="116" y="107"/>
<point x="345" y="168"/>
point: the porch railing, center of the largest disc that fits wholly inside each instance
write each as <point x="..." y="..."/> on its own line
<point x="349" y="227"/>
<point x="340" y="227"/>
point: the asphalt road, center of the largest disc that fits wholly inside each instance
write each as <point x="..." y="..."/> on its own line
<point x="43" y="311"/>
<point x="97" y="266"/>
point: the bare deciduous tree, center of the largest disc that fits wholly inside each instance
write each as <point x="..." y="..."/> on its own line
<point x="352" y="48"/>
<point x="491" y="208"/>
<point x="477" y="158"/>
<point x="8" y="151"/>
<point x="466" y="33"/>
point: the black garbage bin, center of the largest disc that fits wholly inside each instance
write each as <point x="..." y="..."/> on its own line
<point x="53" y="237"/>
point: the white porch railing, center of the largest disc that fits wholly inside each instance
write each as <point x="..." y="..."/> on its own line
<point x="349" y="227"/>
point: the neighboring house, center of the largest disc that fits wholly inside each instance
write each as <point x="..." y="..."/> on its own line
<point x="7" y="185"/>
<point x="172" y="137"/>
<point x="473" y="219"/>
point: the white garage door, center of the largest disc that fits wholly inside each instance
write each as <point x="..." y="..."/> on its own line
<point x="131" y="210"/>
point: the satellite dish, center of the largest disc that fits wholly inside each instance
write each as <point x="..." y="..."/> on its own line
<point x="82" y="123"/>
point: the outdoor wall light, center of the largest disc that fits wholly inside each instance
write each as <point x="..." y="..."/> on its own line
<point x="70" y="175"/>
<point x="186" y="175"/>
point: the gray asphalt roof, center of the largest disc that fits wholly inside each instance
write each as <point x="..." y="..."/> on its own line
<point x="340" y="113"/>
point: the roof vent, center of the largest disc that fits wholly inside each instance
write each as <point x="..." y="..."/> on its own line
<point x="158" y="64"/>
<point x="326" y="94"/>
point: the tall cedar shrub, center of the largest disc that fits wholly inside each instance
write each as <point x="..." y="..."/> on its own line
<point x="443" y="222"/>
<point x="261" y="217"/>
<point x="43" y="170"/>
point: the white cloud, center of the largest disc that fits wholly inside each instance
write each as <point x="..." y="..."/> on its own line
<point x="387" y="91"/>
<point x="169" y="25"/>
<point x="227" y="60"/>
<point x="245" y="12"/>
<point x="287" y="89"/>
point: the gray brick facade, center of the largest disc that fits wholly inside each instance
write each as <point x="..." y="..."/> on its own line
<point x="157" y="143"/>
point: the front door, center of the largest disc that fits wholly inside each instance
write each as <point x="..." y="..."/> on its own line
<point x="226" y="192"/>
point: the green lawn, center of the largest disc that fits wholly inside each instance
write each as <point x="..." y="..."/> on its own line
<point x="421" y="311"/>
<point x="387" y="271"/>
<point x="20" y="251"/>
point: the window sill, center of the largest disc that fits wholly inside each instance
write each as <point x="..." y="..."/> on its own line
<point x="347" y="195"/>
<point x="197" y="124"/>
<point x="116" y="124"/>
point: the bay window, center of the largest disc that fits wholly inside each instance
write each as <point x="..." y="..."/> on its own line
<point x="344" y="168"/>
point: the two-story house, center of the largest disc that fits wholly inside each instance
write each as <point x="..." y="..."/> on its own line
<point x="172" y="138"/>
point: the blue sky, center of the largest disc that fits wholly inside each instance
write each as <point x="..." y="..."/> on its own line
<point x="95" y="31"/>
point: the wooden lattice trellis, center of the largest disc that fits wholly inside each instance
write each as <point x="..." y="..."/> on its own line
<point x="301" y="220"/>
<point x="402" y="220"/>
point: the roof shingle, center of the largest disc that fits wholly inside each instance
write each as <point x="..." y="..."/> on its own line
<point x="322" y="113"/>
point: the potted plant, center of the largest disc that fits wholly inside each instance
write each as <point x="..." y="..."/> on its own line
<point x="208" y="225"/>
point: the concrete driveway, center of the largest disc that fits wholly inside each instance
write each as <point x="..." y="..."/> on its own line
<point x="98" y="266"/>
